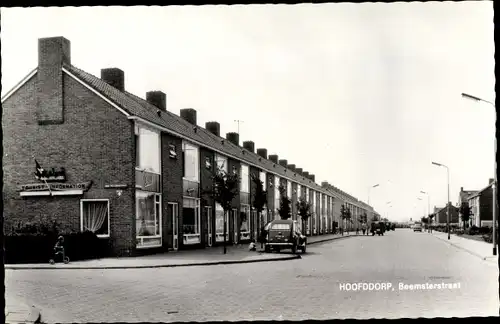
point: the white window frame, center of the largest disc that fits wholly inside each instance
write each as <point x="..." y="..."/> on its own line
<point x="197" y="222"/>
<point x="263" y="178"/>
<point x="289" y="189"/>
<point x="187" y="146"/>
<point x="109" y="216"/>
<point x="276" y="196"/>
<point x="137" y="131"/>
<point x="245" y="178"/>
<point x="220" y="158"/>
<point x="142" y="238"/>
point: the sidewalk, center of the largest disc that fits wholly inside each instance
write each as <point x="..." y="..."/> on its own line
<point x="201" y="257"/>
<point x="17" y="312"/>
<point x="480" y="249"/>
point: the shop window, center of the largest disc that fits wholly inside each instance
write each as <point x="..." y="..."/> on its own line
<point x="148" y="214"/>
<point x="219" y="223"/>
<point x="95" y="216"/>
<point x="191" y="220"/>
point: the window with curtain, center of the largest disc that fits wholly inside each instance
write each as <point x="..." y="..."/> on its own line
<point x="148" y="148"/>
<point x="148" y="214"/>
<point x="95" y="216"/>
<point x="262" y="177"/>
<point x="221" y="162"/>
<point x="245" y="179"/>
<point x="245" y="219"/>
<point x="191" y="162"/>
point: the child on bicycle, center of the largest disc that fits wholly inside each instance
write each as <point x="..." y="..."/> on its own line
<point x="59" y="247"/>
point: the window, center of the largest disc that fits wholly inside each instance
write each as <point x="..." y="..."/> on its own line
<point x="172" y="152"/>
<point x="221" y="162"/>
<point x="262" y="177"/>
<point x="245" y="219"/>
<point x="281" y="227"/>
<point x="276" y="196"/>
<point x="289" y="189"/>
<point x="219" y="223"/>
<point x="148" y="214"/>
<point x="148" y="149"/>
<point x="95" y="216"/>
<point x="191" y="162"/>
<point x="307" y="194"/>
<point x="208" y="163"/>
<point x="191" y="216"/>
<point x="299" y="191"/>
<point x="245" y="179"/>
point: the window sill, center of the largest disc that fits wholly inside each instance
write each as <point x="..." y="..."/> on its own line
<point x="191" y="239"/>
<point x="142" y="169"/>
<point x="103" y="236"/>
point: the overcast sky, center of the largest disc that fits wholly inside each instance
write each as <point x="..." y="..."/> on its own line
<point x="357" y="94"/>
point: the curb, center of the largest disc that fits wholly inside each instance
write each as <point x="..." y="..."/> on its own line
<point x="209" y="263"/>
<point x="463" y="249"/>
<point x="333" y="238"/>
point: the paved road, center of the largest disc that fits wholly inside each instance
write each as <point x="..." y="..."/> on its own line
<point x="289" y="290"/>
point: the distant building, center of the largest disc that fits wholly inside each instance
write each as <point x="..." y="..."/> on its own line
<point x="481" y="204"/>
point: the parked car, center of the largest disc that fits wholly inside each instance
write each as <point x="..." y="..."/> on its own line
<point x="377" y="228"/>
<point x="417" y="227"/>
<point x="284" y="234"/>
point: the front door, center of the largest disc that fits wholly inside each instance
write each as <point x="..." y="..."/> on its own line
<point x="235" y="226"/>
<point x="173" y="213"/>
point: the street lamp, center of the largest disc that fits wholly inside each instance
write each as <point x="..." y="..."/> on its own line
<point x="428" y="206"/>
<point x="448" y="202"/>
<point x="369" y="189"/>
<point x="494" y="185"/>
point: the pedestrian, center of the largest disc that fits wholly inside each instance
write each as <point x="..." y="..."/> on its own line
<point x="357" y="230"/>
<point x="363" y="228"/>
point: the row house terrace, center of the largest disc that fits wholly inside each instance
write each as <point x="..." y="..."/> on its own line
<point x="133" y="172"/>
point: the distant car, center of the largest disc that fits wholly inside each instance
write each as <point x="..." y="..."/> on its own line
<point x="284" y="234"/>
<point x="417" y="227"/>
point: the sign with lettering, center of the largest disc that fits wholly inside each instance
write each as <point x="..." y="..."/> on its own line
<point x="56" y="186"/>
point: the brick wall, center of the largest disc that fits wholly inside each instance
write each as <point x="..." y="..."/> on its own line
<point x="486" y="205"/>
<point x="94" y="143"/>
<point x="294" y="201"/>
<point x="171" y="186"/>
<point x="270" y="195"/>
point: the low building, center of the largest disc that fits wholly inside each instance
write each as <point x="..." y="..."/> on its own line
<point x="481" y="204"/>
<point x="83" y="151"/>
<point x="441" y="215"/>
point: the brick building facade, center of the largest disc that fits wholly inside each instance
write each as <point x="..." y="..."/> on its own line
<point x="130" y="170"/>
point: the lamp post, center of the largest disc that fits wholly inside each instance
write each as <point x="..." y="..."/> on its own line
<point x="428" y="205"/>
<point x="494" y="185"/>
<point x="448" y="202"/>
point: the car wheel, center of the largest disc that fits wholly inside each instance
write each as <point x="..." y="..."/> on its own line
<point x="304" y="248"/>
<point x="294" y="248"/>
<point x="267" y="249"/>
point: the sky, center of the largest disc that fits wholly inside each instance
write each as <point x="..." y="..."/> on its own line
<point x="356" y="94"/>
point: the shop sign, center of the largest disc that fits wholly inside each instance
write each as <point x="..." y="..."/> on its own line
<point x="56" y="186"/>
<point x="147" y="181"/>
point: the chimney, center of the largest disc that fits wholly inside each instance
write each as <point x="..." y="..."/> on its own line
<point x="461" y="188"/>
<point x="233" y="138"/>
<point x="52" y="54"/>
<point x="305" y="174"/>
<point x="249" y="145"/>
<point x="274" y="158"/>
<point x="299" y="170"/>
<point x="114" y="77"/>
<point x="262" y="152"/>
<point x="189" y="114"/>
<point x="291" y="167"/>
<point x="213" y="127"/>
<point x="283" y="163"/>
<point x="325" y="184"/>
<point x="312" y="177"/>
<point x="157" y="99"/>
